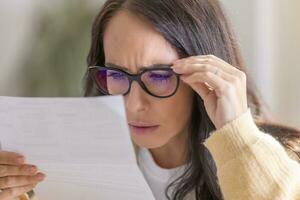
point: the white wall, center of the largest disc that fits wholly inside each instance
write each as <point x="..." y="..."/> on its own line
<point x="287" y="60"/>
<point x="269" y="34"/>
<point x="15" y="22"/>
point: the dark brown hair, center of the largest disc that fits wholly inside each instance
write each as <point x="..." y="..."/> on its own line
<point x="192" y="27"/>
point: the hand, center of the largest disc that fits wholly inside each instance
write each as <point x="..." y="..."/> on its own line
<point x="16" y="177"/>
<point x="226" y="96"/>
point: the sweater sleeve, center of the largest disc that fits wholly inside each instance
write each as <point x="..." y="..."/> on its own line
<point x="252" y="165"/>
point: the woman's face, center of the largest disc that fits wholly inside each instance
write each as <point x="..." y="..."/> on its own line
<point x="132" y="43"/>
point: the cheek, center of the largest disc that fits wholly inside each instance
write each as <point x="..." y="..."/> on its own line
<point x="173" y="114"/>
<point x="178" y="110"/>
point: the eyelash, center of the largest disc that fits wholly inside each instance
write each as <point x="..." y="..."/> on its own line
<point x="160" y="76"/>
<point x="115" y="75"/>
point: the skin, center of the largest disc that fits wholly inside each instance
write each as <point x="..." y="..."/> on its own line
<point x="16" y="177"/>
<point x="140" y="45"/>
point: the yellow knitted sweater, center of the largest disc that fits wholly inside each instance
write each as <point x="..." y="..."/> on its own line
<point x="252" y="165"/>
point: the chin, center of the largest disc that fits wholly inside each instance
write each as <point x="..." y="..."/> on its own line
<point x="149" y="143"/>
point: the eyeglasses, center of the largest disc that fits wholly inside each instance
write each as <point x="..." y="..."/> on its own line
<point x="161" y="81"/>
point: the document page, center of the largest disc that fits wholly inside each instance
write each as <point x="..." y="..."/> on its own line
<point x="82" y="144"/>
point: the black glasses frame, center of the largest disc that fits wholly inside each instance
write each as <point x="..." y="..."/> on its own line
<point x="135" y="77"/>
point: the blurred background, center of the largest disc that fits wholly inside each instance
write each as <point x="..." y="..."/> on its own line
<point x="44" y="45"/>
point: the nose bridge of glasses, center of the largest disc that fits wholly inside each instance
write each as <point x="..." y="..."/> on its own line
<point x="134" y="77"/>
<point x="137" y="78"/>
<point x="137" y="88"/>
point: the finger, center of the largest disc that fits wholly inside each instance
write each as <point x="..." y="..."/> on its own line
<point x="206" y="58"/>
<point x="201" y="89"/>
<point x="226" y="66"/>
<point x="16" y="181"/>
<point x="213" y="80"/>
<point x="213" y="57"/>
<point x="10" y="170"/>
<point x="192" y="68"/>
<point x="209" y="60"/>
<point x="202" y="64"/>
<point x="11" y="158"/>
<point x="15" y="192"/>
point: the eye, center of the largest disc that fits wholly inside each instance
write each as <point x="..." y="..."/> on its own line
<point x="160" y="76"/>
<point x="116" y="75"/>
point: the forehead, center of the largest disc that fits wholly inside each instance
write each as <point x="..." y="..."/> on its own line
<point x="132" y="41"/>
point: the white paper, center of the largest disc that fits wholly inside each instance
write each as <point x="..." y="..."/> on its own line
<point x="82" y="144"/>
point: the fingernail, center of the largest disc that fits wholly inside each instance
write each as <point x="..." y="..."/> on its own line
<point x="176" y="62"/>
<point x="41" y="176"/>
<point x="177" y="69"/>
<point x="32" y="169"/>
<point x="20" y="159"/>
<point x="175" y="66"/>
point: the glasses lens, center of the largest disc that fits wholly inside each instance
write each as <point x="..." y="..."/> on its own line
<point x="160" y="82"/>
<point x="112" y="82"/>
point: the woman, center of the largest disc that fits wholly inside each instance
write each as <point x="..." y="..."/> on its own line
<point x="139" y="48"/>
<point x="194" y="116"/>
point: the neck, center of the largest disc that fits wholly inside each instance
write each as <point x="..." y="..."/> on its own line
<point x="173" y="154"/>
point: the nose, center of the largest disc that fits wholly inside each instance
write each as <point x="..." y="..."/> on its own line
<point x="136" y="100"/>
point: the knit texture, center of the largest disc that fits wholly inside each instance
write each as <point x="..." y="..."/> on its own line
<point x="252" y="164"/>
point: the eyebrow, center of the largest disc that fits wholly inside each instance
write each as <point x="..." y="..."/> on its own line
<point x="142" y="68"/>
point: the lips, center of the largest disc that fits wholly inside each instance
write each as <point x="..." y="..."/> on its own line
<point x="141" y="128"/>
<point x="142" y="124"/>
